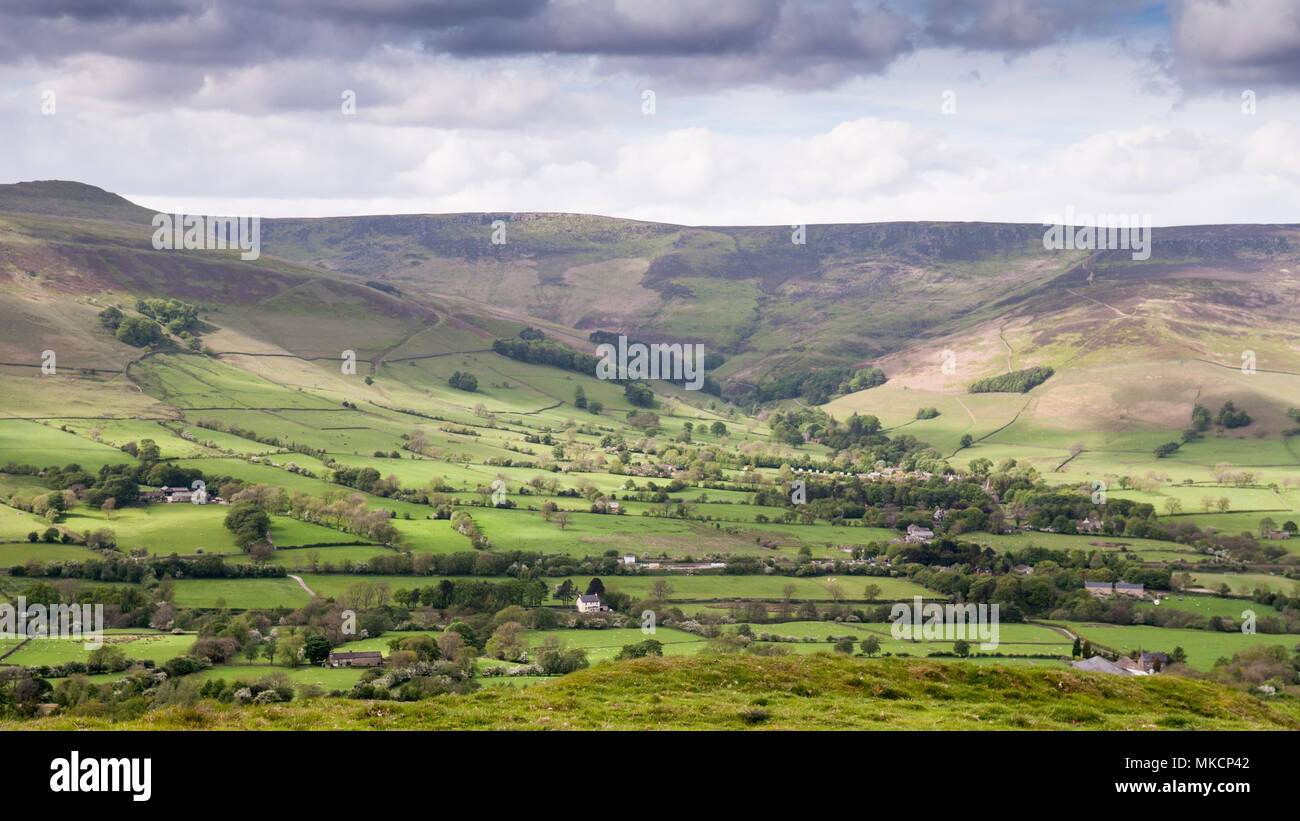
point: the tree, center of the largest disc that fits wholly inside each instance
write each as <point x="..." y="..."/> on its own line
<point x="718" y="428"/>
<point x="596" y="588"/>
<point x="1266" y="526"/>
<point x="562" y="519"/>
<point x="871" y="592"/>
<point x="316" y="649"/>
<point x="110" y="504"/>
<point x="661" y="590"/>
<point x="961" y="647"/>
<point x="268" y="649"/>
<point x="290" y="650"/>
<point x="1200" y="418"/>
<point x="1077" y="650"/>
<point x="1222" y="504"/>
<point x="967" y="440"/>
<point x="870" y="645"/>
<point x="507" y="642"/>
<point x="844" y="645"/>
<point x="579" y="398"/>
<point x="110" y="318"/>
<point x="565" y="592"/>
<point x="108" y="658"/>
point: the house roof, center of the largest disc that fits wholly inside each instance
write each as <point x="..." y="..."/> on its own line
<point x="1098" y="585"/>
<point x="592" y="599"/>
<point x="357" y="654"/>
<point x="1127" y="586"/>
<point x="1097" y="664"/>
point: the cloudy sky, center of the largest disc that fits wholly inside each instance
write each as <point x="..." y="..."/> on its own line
<point x="717" y="112"/>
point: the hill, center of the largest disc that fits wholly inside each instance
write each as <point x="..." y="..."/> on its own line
<point x="732" y="692"/>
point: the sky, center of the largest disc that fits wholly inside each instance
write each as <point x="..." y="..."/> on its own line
<point x="726" y="112"/>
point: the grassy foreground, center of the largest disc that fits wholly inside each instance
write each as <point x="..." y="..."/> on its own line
<point x="733" y="692"/>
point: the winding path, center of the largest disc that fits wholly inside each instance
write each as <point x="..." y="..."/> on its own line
<point x="302" y="584"/>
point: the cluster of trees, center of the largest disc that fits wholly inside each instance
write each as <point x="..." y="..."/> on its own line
<point x="137" y="331"/>
<point x="815" y="386"/>
<point x="1020" y="381"/>
<point x="475" y="595"/>
<point x="177" y="316"/>
<point x="542" y="351"/>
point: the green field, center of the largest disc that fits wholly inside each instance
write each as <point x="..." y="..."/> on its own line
<point x="1203" y="647"/>
<point x="158" y="647"/>
<point x="239" y="594"/>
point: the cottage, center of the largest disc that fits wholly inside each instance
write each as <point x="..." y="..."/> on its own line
<point x="1278" y="534"/>
<point x="628" y="558"/>
<point x="589" y="604"/>
<point x="1023" y="570"/>
<point x="360" y="658"/>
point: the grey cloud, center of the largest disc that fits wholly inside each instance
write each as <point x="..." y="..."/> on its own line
<point x="1236" y="43"/>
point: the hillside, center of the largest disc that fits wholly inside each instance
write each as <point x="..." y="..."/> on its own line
<point x="739" y="692"/>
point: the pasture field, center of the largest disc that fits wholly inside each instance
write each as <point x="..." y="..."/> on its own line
<point x="239" y="594"/>
<point x="380" y="642"/>
<point x="159" y="647"/>
<point x="17" y="553"/>
<point x="300" y="558"/>
<point x="1203" y="647"/>
<point x="1244" y="584"/>
<point x="329" y="678"/>
<point x="1146" y="549"/>
<point x="602" y="645"/>
<point x="182" y="528"/>
<point x="1013" y="639"/>
<point x="32" y="443"/>
<point x="1209" y="606"/>
<point x="703" y="587"/>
